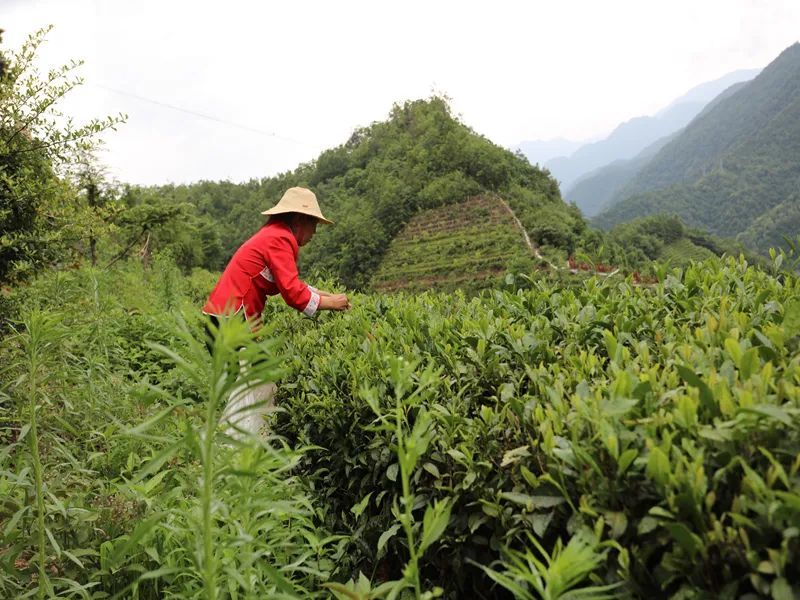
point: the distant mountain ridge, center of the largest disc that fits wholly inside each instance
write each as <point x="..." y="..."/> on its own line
<point x="735" y="170"/>
<point x="538" y="152"/>
<point x="627" y="140"/>
<point x="593" y="192"/>
<point x="631" y="137"/>
<point x="598" y="189"/>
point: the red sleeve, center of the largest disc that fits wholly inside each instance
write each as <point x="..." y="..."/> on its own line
<point x="281" y="262"/>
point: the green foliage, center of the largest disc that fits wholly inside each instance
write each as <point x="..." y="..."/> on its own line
<point x="36" y="341"/>
<point x="663" y="418"/>
<point x="643" y="242"/>
<point x="599" y="439"/>
<point x="162" y="223"/>
<point x="734" y="169"/>
<point x="111" y="478"/>
<point x="41" y="214"/>
<point x="374" y="184"/>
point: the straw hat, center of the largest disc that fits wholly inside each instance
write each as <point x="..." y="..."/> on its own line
<point x="298" y="200"/>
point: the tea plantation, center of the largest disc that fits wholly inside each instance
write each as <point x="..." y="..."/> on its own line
<point x="537" y="441"/>
<point x="467" y="244"/>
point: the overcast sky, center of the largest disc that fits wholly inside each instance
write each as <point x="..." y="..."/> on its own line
<point x="286" y="80"/>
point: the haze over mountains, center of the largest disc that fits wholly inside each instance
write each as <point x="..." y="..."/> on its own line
<point x="596" y="190"/>
<point x="567" y="161"/>
<point x="735" y="169"/>
<point x="538" y="152"/>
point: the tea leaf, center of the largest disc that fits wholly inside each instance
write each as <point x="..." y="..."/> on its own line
<point x="386" y="536"/>
<point x="432" y="469"/>
<point x="626" y="459"/>
<point x="791" y="317"/>
<point x="358" y="508"/>
<point x="781" y="590"/>
<point x="533" y="502"/>
<point x="687" y="539"/>
<point x="706" y="395"/>
<point x="658" y="467"/>
<point x="512" y="456"/>
<point x="771" y="411"/>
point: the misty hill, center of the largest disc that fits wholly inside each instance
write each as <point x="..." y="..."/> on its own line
<point x="597" y="190"/>
<point x="592" y="192"/>
<point x="633" y="136"/>
<point x="538" y="152"/>
<point x="735" y="169"/>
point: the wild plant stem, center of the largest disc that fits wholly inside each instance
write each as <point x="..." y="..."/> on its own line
<point x="37" y="468"/>
<point x="408" y="501"/>
<point x="209" y="568"/>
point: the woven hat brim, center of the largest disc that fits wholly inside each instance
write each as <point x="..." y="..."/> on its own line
<point x="280" y="210"/>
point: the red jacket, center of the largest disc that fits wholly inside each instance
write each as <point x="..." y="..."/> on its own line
<point x="265" y="265"/>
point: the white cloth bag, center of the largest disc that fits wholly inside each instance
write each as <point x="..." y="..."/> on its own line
<point x="245" y="412"/>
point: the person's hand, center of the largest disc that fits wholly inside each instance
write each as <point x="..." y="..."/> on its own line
<point x="340" y="301"/>
<point x="334" y="302"/>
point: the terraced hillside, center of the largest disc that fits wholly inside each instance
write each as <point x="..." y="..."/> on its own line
<point x="470" y="245"/>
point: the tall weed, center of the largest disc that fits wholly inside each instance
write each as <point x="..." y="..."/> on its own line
<point x="227" y="516"/>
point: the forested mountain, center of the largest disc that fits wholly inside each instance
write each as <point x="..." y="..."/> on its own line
<point x="420" y="158"/>
<point x="597" y="190"/>
<point x="592" y="192"/>
<point x="633" y="136"/>
<point x="734" y="170"/>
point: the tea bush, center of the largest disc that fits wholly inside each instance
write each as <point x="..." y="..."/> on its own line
<point x="662" y="420"/>
<point x="597" y="439"/>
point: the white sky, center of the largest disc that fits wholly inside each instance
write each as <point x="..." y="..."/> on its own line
<point x="312" y="71"/>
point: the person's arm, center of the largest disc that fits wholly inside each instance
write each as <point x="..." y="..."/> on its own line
<point x="295" y="292"/>
<point x="335" y="302"/>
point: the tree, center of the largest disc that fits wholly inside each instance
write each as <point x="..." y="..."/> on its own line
<point x="146" y="216"/>
<point x="40" y="150"/>
<point x="3" y="63"/>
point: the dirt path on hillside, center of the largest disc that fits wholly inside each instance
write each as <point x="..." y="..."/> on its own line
<point x="531" y="246"/>
<point x="534" y="250"/>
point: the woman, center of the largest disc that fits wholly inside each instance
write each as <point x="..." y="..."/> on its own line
<point x="266" y="265"/>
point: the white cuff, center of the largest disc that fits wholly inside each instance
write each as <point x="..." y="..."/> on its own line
<point x="312" y="306"/>
<point x="312" y="289"/>
<point x="267" y="274"/>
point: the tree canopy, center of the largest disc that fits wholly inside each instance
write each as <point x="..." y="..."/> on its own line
<point x="42" y="216"/>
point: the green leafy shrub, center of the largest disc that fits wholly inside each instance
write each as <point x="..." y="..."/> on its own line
<point x="664" y="418"/>
<point x="111" y="477"/>
<point x="597" y="439"/>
